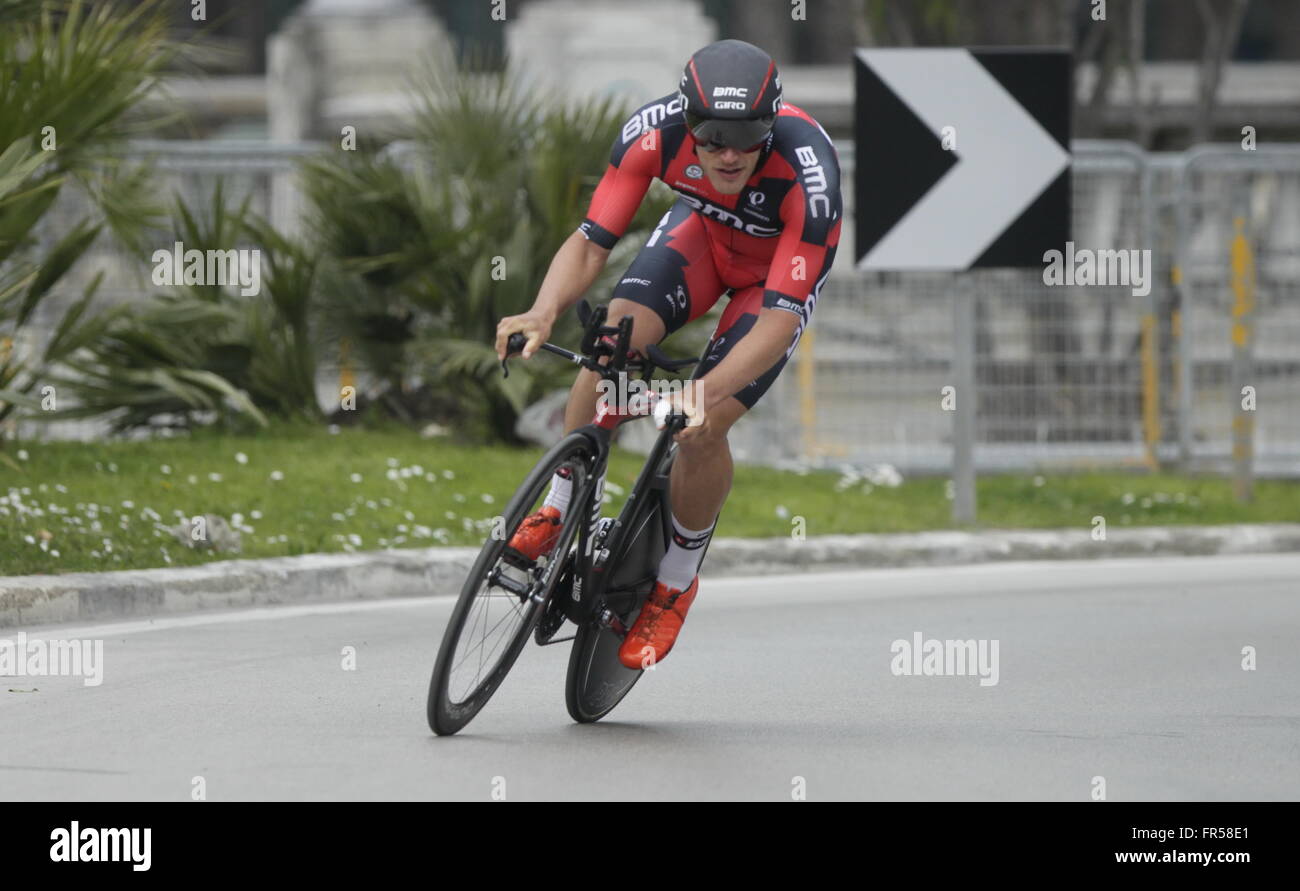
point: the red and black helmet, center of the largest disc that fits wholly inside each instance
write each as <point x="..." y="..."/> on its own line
<point x="731" y="92"/>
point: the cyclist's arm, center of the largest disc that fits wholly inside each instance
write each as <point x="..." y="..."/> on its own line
<point x="756" y="352"/>
<point x="634" y="162"/>
<point x="803" y="256"/>
<point x="576" y="266"/>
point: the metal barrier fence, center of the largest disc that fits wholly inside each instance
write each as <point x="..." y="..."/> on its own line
<point x="1068" y="377"/>
<point x="1071" y="377"/>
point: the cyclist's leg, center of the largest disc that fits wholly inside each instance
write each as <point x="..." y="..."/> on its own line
<point x="671" y="281"/>
<point x="701" y="474"/>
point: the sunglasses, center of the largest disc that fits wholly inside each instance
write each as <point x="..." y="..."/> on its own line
<point x="713" y="134"/>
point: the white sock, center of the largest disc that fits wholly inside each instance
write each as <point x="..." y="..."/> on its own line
<point x="685" y="551"/>
<point x="561" y="492"/>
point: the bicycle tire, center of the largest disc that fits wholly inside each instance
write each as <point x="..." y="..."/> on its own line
<point x="597" y="681"/>
<point x="445" y="716"/>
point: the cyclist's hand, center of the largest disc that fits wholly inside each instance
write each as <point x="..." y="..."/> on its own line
<point x="697" y="423"/>
<point x="533" y="325"/>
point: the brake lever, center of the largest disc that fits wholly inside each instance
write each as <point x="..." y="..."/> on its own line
<point x="515" y="344"/>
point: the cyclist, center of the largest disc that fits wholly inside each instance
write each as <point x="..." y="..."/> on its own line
<point x="757" y="218"/>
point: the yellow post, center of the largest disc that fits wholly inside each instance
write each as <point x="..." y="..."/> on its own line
<point x="1150" y="390"/>
<point x="345" y="365"/>
<point x="1243" y="308"/>
<point x="808" y="393"/>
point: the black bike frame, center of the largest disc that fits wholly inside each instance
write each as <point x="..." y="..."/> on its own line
<point x="590" y="576"/>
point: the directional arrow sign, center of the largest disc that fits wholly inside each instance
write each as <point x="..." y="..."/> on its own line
<point x="962" y="157"/>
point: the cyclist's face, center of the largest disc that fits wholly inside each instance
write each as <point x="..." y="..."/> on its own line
<point x="728" y="169"/>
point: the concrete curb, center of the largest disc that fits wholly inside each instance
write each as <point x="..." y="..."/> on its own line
<point x="321" y="578"/>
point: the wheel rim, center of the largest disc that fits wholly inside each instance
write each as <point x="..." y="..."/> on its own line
<point x="497" y="616"/>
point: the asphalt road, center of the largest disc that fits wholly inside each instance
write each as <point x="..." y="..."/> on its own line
<point x="1130" y="670"/>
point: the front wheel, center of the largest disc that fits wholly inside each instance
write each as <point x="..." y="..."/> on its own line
<point x="597" y="681"/>
<point x="503" y="596"/>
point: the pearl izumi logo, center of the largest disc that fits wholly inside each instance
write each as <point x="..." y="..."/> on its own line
<point x="194" y="267"/>
<point x="20" y="657"/>
<point x="89" y="845"/>
<point x="946" y="658"/>
<point x="1101" y="268"/>
<point x="695" y="171"/>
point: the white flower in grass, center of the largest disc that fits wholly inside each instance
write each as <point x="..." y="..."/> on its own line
<point x="191" y="479"/>
<point x="276" y="475"/>
<point x="393" y="462"/>
<point x="386" y="502"/>
<point x="782" y="511"/>
<point x="166" y="468"/>
<point x="429" y="478"/>
<point x="356" y="477"/>
<point x="458" y="498"/>
<point x="448" y="475"/>
<point x="408" y="515"/>
<point x="215" y="477"/>
<point x="22" y="455"/>
<point x="29" y="539"/>
<point x="333" y="429"/>
<point x="241" y="458"/>
<point x="96" y="554"/>
<point x="449" y="515"/>
<point x="112" y="468"/>
<point x="337" y="517"/>
<point x="256" y="514"/>
<point x="1039" y="481"/>
<point x="391" y="474"/>
<point x="355" y="539"/>
<point x="417" y="470"/>
<point x="1128" y="498"/>
<point x="128" y="504"/>
<point x="59" y="487"/>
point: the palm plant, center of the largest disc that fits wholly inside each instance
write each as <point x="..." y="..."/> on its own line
<point x="446" y="234"/>
<point x="197" y="353"/>
<point x="70" y="75"/>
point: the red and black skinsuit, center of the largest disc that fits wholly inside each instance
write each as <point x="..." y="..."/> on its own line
<point x="771" y="245"/>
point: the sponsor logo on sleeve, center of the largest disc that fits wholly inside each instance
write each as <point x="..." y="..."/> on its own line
<point x="814" y="181"/>
<point x="650" y="117"/>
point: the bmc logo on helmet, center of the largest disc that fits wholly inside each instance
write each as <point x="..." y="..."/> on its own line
<point x="740" y="92"/>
